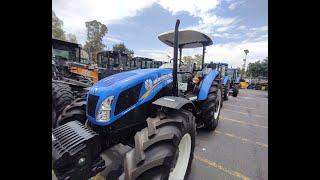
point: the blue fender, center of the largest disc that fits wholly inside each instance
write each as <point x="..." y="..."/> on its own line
<point x="206" y="84"/>
<point x="237" y="80"/>
<point x="225" y="80"/>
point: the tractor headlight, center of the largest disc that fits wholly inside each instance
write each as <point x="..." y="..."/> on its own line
<point x="104" y="111"/>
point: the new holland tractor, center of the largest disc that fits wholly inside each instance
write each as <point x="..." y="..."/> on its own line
<point x="226" y="80"/>
<point x="233" y="73"/>
<point x="155" y="112"/>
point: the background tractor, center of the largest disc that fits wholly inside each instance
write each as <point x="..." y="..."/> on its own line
<point x="226" y="80"/>
<point x="72" y="76"/>
<point x="233" y="73"/>
<point x="155" y="112"/>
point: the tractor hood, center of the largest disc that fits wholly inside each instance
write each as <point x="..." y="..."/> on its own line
<point x="129" y="89"/>
<point x="126" y="78"/>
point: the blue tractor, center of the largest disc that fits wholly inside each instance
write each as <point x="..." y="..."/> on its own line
<point x="225" y="79"/>
<point x="155" y="112"/>
<point x="233" y="73"/>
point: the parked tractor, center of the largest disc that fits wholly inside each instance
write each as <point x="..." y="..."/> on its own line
<point x="154" y="111"/>
<point x="226" y="80"/>
<point x="71" y="79"/>
<point x="233" y="73"/>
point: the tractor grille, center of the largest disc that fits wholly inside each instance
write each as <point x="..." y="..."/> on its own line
<point x="91" y="106"/>
<point x="70" y="138"/>
<point x="127" y="98"/>
<point x="73" y="141"/>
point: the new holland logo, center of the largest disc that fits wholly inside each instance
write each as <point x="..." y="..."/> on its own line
<point x="148" y="84"/>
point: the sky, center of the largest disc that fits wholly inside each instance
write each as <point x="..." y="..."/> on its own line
<point x="233" y="25"/>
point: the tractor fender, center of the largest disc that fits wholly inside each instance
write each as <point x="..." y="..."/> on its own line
<point x="237" y="80"/>
<point x="206" y="84"/>
<point x="225" y="80"/>
<point x="174" y="102"/>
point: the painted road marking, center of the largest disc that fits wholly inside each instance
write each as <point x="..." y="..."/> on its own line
<point x="241" y="122"/>
<point x="242" y="139"/>
<point x="239" y="106"/>
<point x="246" y="113"/>
<point x="220" y="167"/>
<point x="252" y="99"/>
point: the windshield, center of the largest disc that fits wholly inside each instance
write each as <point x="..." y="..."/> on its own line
<point x="146" y="64"/>
<point x="230" y="72"/>
<point x="66" y="54"/>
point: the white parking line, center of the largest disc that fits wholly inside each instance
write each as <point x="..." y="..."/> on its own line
<point x="241" y="139"/>
<point x="246" y="113"/>
<point x="244" y="123"/>
<point x="220" y="167"/>
<point x="239" y="106"/>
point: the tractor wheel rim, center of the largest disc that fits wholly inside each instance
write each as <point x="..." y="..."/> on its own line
<point x="217" y="109"/>
<point x="184" y="149"/>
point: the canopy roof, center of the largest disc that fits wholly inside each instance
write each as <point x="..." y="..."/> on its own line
<point x="187" y="39"/>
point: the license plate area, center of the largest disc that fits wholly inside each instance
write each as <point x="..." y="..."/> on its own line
<point x="182" y="86"/>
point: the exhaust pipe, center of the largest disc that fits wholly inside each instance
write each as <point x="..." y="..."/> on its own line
<point x="175" y="59"/>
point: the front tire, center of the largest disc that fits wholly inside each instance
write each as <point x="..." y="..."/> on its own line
<point x="211" y="106"/>
<point x="61" y="97"/>
<point x="164" y="149"/>
<point x="75" y="111"/>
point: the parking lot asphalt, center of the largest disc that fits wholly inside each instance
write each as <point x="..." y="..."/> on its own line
<point x="238" y="148"/>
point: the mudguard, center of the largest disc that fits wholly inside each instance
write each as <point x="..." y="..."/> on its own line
<point x="172" y="102"/>
<point x="225" y="80"/>
<point x="206" y="84"/>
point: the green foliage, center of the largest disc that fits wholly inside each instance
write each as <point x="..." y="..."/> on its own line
<point x="196" y="59"/>
<point x="187" y="59"/>
<point x="95" y="32"/>
<point x="258" y="68"/>
<point x="57" y="28"/>
<point x="122" y="48"/>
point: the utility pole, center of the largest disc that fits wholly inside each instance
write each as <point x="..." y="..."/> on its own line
<point x="244" y="63"/>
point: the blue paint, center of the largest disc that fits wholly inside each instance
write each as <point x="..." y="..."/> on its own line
<point x="206" y="84"/>
<point x="117" y="83"/>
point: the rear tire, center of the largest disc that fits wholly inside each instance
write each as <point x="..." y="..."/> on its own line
<point x="211" y="106"/>
<point x="235" y="90"/>
<point x="226" y="90"/>
<point x="164" y="149"/>
<point x="61" y="97"/>
<point x="75" y="111"/>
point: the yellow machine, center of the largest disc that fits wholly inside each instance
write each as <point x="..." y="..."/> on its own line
<point x="243" y="84"/>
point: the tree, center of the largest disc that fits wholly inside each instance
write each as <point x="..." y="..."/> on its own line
<point x="123" y="49"/>
<point x="95" y="32"/>
<point x="72" y="38"/>
<point x="187" y="59"/>
<point x="258" y="68"/>
<point x="198" y="60"/>
<point x="57" y="28"/>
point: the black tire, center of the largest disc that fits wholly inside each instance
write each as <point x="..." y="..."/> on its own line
<point x="226" y="90"/>
<point x="75" y="111"/>
<point x="209" y="106"/>
<point x="61" y="96"/>
<point x="235" y="90"/>
<point x="156" y="146"/>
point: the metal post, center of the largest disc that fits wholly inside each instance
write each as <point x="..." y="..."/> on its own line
<point x="203" y="52"/>
<point x="175" y="59"/>
<point x="180" y="54"/>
